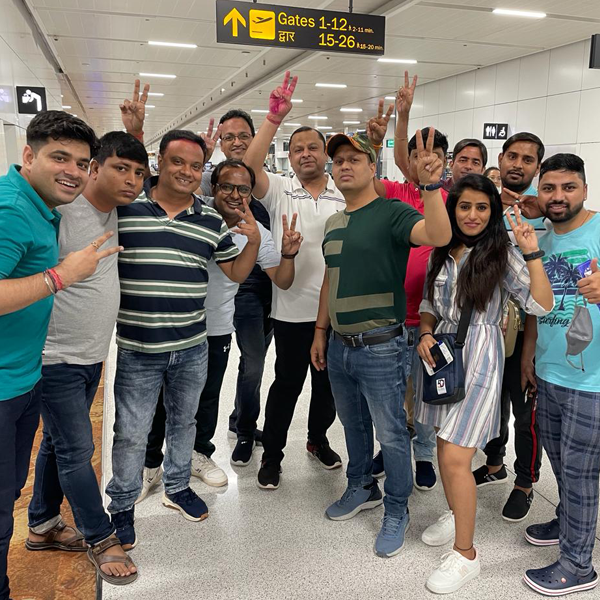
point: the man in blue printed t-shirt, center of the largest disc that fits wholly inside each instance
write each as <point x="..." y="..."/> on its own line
<point x="54" y="173"/>
<point x="519" y="163"/>
<point x="568" y="376"/>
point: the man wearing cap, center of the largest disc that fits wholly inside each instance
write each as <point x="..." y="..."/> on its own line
<point x="366" y="250"/>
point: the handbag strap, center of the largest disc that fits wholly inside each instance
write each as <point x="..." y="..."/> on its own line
<point x="463" y="324"/>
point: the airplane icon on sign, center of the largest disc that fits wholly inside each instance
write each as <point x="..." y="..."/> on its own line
<point x="264" y="20"/>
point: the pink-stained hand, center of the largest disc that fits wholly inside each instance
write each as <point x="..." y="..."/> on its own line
<point x="280" y="100"/>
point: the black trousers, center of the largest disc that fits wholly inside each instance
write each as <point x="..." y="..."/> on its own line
<point x="292" y="345"/>
<point x="528" y="446"/>
<point x="208" y="408"/>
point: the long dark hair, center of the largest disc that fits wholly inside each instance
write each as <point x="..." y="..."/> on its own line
<point x="485" y="267"/>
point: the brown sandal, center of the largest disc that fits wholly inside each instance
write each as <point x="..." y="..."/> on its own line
<point x="75" y="543"/>
<point x="98" y="558"/>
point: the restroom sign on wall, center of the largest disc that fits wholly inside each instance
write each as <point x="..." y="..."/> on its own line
<point x="495" y="131"/>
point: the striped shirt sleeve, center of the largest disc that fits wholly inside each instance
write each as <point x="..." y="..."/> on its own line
<point x="226" y="250"/>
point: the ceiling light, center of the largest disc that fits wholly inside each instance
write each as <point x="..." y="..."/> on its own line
<point x="293" y="124"/>
<point x="317" y="117"/>
<point x="66" y="106"/>
<point x="150" y="106"/>
<point x="155" y="94"/>
<point x="404" y="61"/>
<point x="351" y="122"/>
<point x="519" y="13"/>
<point x="163" y="75"/>
<point x="390" y="97"/>
<point x="61" y="96"/>
<point x="297" y="100"/>
<point x="324" y="127"/>
<point x="259" y="110"/>
<point x="350" y="109"/>
<point x="331" y="85"/>
<point x="74" y="115"/>
<point x="173" y="44"/>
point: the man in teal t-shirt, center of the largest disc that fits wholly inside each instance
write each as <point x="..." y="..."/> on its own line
<point x="568" y="376"/>
<point x="54" y="172"/>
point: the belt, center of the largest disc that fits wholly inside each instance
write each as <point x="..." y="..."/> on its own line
<point x="368" y="339"/>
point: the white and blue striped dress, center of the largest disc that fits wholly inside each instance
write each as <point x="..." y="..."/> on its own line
<point x="474" y="421"/>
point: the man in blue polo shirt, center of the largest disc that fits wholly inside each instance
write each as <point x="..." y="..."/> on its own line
<point x="54" y="172"/>
<point x="169" y="236"/>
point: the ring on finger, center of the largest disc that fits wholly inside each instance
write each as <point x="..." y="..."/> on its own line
<point x="95" y="244"/>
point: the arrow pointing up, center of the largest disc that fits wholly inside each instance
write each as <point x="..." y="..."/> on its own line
<point x="235" y="17"/>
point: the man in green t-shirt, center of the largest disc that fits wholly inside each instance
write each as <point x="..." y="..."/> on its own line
<point x="366" y="249"/>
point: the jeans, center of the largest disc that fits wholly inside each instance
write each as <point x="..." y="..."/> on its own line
<point x="64" y="461"/>
<point x="292" y="344"/>
<point x="424" y="443"/>
<point x="367" y="383"/>
<point x="570" y="431"/>
<point x="253" y="333"/>
<point x="138" y="381"/>
<point x="207" y="414"/>
<point x="527" y="435"/>
<point x="19" y="420"/>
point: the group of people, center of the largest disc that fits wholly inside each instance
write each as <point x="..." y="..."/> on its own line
<point x="353" y="276"/>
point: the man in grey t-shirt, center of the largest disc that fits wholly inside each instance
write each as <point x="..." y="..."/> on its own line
<point x="78" y="339"/>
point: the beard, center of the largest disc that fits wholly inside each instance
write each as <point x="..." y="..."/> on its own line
<point x="569" y="214"/>
<point x="518" y="188"/>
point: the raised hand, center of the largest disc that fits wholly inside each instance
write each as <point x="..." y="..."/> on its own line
<point x="429" y="165"/>
<point x="280" y="100"/>
<point x="211" y="140"/>
<point x="589" y="287"/>
<point x="524" y="232"/>
<point x="377" y="126"/>
<point x="79" y="265"/>
<point x="133" y="112"/>
<point x="405" y="95"/>
<point x="248" y="225"/>
<point x="292" y="239"/>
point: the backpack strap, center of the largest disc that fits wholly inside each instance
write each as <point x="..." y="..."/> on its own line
<point x="463" y="324"/>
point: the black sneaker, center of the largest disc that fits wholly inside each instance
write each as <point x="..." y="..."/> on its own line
<point x="543" y="534"/>
<point x="378" y="468"/>
<point x="517" y="506"/>
<point x="323" y="452"/>
<point x="268" y="476"/>
<point x="123" y="522"/>
<point x="483" y="477"/>
<point x="242" y="453"/>
<point x="258" y="435"/>
<point x="425" y="478"/>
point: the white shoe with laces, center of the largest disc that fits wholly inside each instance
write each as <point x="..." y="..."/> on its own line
<point x="454" y="571"/>
<point x="150" y="479"/>
<point x="441" y="532"/>
<point x="206" y="469"/>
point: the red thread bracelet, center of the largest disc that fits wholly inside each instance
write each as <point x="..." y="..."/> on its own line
<point x="321" y="328"/>
<point x="56" y="279"/>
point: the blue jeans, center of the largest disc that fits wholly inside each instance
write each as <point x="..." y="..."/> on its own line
<point x="19" y="420"/>
<point x="138" y="381"/>
<point x="64" y="461"/>
<point x="367" y="383"/>
<point x="424" y="441"/>
<point x="253" y="333"/>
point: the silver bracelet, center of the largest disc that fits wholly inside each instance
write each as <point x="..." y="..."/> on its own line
<point x="48" y="284"/>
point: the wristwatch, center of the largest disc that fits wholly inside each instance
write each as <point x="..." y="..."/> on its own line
<point x="533" y="255"/>
<point x="431" y="187"/>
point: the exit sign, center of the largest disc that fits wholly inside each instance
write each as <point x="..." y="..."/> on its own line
<point x="389" y="143"/>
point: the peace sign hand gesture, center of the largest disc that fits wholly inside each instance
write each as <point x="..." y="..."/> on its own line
<point x="377" y="126"/>
<point x="211" y="140"/>
<point x="133" y="112"/>
<point x="524" y="232"/>
<point x="280" y="100"/>
<point x="247" y="226"/>
<point x="292" y="239"/>
<point x="429" y="165"/>
<point x="405" y="95"/>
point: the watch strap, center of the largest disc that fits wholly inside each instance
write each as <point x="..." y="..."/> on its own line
<point x="431" y="187"/>
<point x="533" y="255"/>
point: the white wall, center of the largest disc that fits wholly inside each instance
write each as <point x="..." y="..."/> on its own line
<point x="552" y="94"/>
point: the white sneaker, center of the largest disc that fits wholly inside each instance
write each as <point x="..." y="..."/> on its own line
<point x="454" y="571"/>
<point x="206" y="469"/>
<point x="150" y="479"/>
<point x="441" y="532"/>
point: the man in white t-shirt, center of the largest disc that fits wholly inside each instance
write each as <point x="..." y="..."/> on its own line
<point x="311" y="194"/>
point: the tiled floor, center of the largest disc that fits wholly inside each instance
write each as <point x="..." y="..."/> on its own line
<point x="278" y="545"/>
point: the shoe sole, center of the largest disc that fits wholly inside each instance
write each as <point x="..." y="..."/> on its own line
<point x="211" y="483"/>
<point x="515" y="520"/>
<point x="269" y="486"/>
<point x="453" y="588"/>
<point x="443" y="542"/>
<point x="395" y="552"/>
<point x="548" y="592"/>
<point x="425" y="488"/>
<point x="329" y="468"/>
<point x="537" y="542"/>
<point x="240" y="463"/>
<point x="361" y="507"/>
<point x="185" y="515"/>
<point x="495" y="482"/>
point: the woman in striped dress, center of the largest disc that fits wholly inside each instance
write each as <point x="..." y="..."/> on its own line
<point x="481" y="265"/>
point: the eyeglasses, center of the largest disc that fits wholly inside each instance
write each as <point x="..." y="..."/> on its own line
<point x="227" y="188"/>
<point x="243" y="137"/>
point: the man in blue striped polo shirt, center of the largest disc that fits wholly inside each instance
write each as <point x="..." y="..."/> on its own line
<point x="169" y="236"/>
